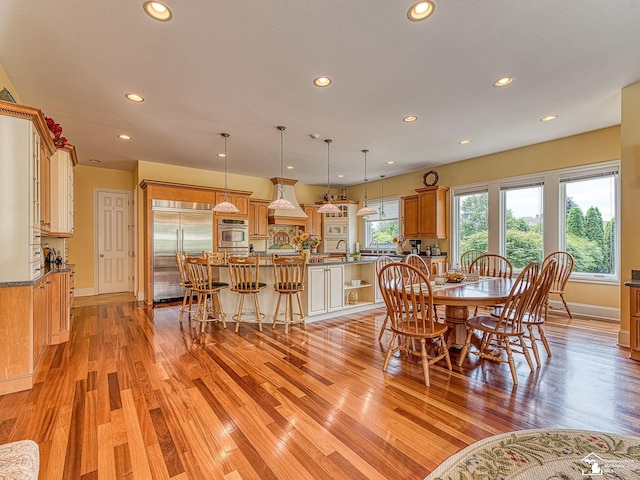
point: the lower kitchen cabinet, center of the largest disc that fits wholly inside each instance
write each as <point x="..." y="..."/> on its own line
<point x="324" y="289"/>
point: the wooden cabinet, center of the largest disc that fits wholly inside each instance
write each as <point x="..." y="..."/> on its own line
<point x="634" y="324"/>
<point x="24" y="144"/>
<point x="325" y="287"/>
<point x="258" y="218"/>
<point x="60" y="308"/>
<point x="238" y="199"/>
<point x="42" y="310"/>
<point x="424" y="215"/>
<point x="45" y="191"/>
<point x="313" y="224"/>
<point x="61" y="192"/>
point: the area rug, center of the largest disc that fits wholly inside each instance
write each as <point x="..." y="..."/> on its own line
<point x="545" y="455"/>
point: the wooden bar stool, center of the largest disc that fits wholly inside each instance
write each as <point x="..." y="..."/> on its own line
<point x="207" y="289"/>
<point x="288" y="272"/>
<point x="185" y="283"/>
<point x="244" y="273"/>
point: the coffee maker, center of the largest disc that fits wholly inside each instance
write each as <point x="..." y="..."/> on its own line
<point x="418" y="246"/>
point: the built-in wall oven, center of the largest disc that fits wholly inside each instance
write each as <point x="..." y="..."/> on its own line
<point x="233" y="236"/>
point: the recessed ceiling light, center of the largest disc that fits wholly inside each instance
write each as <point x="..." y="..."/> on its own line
<point x="289" y="167"/>
<point x="221" y="155"/>
<point x="134" y="97"/>
<point x="390" y="162"/>
<point x="158" y="11"/>
<point x="548" y="118"/>
<point x="464" y="142"/>
<point x="322" y="82"/>
<point x="421" y="10"/>
<point x="122" y="136"/>
<point x="94" y="160"/>
<point x="503" y="82"/>
<point x="340" y="176"/>
<point x="410" y="118"/>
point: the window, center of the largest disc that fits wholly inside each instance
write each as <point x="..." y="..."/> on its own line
<point x="380" y="232"/>
<point x="522" y="226"/>
<point x="526" y="218"/>
<point x="588" y="224"/>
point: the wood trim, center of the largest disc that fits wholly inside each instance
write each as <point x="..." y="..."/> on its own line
<point x="284" y="181"/>
<point x="182" y="186"/>
<point x="34" y="115"/>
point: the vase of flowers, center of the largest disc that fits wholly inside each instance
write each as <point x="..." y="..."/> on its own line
<point x="305" y="242"/>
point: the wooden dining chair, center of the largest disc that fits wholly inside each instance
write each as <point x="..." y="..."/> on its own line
<point x="408" y="297"/>
<point x="491" y="265"/>
<point x="417" y="261"/>
<point x="187" y="297"/>
<point x="245" y="280"/>
<point x="564" y="269"/>
<point x="288" y="274"/>
<point x="506" y="332"/>
<point x="380" y="263"/>
<point x="468" y="257"/>
<point x="216" y="258"/>
<point x="207" y="289"/>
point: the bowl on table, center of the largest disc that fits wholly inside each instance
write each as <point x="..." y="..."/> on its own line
<point x="440" y="280"/>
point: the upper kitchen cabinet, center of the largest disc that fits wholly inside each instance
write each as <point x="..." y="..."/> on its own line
<point x="258" y="218"/>
<point x="424" y="214"/>
<point x="61" y="174"/>
<point x="313" y="224"/>
<point x="24" y="141"/>
<point x="240" y="200"/>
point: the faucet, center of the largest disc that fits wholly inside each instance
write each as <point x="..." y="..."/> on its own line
<point x="377" y="247"/>
<point x="346" y="248"/>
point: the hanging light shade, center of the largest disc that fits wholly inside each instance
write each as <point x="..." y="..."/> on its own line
<point x="328" y="207"/>
<point x="382" y="214"/>
<point x="225" y="206"/>
<point x="366" y="209"/>
<point x="281" y="203"/>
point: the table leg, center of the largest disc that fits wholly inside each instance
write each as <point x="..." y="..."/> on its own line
<point x="456" y="318"/>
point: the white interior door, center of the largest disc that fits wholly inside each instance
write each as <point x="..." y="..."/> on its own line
<point x="113" y="244"/>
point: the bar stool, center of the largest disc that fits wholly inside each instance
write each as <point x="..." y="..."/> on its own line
<point x="209" y="306"/>
<point x="216" y="258"/>
<point x="288" y="272"/>
<point x="186" y="284"/>
<point x="244" y="274"/>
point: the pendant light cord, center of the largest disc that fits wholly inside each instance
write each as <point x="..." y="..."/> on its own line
<point x="281" y="184"/>
<point x="328" y="140"/>
<point x="365" y="151"/>
<point x="226" y="188"/>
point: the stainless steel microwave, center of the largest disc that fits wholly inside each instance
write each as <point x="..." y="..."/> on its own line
<point x="233" y="234"/>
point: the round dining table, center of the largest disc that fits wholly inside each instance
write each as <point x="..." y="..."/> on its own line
<point x="457" y="298"/>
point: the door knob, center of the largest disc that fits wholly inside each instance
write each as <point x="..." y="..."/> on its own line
<point x="101" y="255"/>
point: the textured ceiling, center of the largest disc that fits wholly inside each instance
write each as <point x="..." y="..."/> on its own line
<point x="245" y="67"/>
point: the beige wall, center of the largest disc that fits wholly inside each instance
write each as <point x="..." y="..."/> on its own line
<point x="630" y="187"/>
<point x="82" y="245"/>
<point x="5" y="81"/>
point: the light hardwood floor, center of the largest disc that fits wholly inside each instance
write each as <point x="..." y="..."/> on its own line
<point x="132" y="395"/>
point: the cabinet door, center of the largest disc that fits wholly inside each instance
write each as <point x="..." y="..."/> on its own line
<point x="432" y="203"/>
<point x="258" y="218"/>
<point x="335" y="287"/>
<point x="60" y="192"/>
<point x="317" y="291"/>
<point x="239" y="200"/>
<point x="410" y="216"/>
<point x="45" y="195"/>
<point x="313" y="224"/>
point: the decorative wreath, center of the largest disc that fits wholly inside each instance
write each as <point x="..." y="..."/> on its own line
<point x="430" y="178"/>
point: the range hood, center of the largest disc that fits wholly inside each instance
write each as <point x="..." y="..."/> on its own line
<point x="286" y="217"/>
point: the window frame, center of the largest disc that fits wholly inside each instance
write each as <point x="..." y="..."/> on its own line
<point x="375" y="204"/>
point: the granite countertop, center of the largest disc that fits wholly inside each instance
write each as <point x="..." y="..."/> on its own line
<point x="635" y="279"/>
<point x="46" y="269"/>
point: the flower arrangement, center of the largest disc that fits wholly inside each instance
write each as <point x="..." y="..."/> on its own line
<point x="56" y="129"/>
<point x="306" y="240"/>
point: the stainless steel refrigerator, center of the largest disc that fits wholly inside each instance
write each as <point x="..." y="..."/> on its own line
<point x="177" y="227"/>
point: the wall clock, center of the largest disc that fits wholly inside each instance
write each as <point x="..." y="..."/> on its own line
<point x="430" y="178"/>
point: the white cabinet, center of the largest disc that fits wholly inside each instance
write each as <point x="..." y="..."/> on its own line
<point x="324" y="289"/>
<point x="340" y="226"/>
<point x="62" y="163"/>
<point x="22" y="137"/>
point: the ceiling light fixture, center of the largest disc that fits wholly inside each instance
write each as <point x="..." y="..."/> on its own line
<point x="409" y="119"/>
<point x="289" y="167"/>
<point x="391" y="162"/>
<point x="421" y="11"/>
<point x="366" y="209"/>
<point x="321" y="82"/>
<point x="503" y="82"/>
<point x="382" y="214"/>
<point x="94" y="160"/>
<point x="281" y="203"/>
<point x="225" y="206"/>
<point x="123" y="136"/>
<point x="328" y="207"/>
<point x="134" y="97"/>
<point x="464" y="142"/>
<point x="158" y="11"/>
<point x="548" y="118"/>
<point x="341" y="176"/>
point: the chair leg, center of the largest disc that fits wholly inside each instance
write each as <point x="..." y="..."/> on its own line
<point x="465" y="349"/>
<point x="425" y="361"/>
<point x="445" y="347"/>
<point x="275" y="315"/>
<point x="566" y="305"/>
<point x="304" y="326"/>
<point x="256" y="306"/>
<point x="512" y="364"/>
<point x="184" y="305"/>
<point x="239" y="316"/>
<point x="525" y="351"/>
<point x="384" y="326"/>
<point x="390" y="351"/>
<point x="534" y="347"/>
<point x="217" y="306"/>
<point x="544" y="340"/>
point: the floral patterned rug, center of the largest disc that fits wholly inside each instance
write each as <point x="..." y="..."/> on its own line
<point x="545" y="455"/>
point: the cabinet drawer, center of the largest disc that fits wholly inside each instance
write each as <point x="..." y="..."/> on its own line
<point x="635" y="302"/>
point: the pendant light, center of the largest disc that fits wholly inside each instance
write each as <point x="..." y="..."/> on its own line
<point x="281" y="203"/>
<point x="366" y="209"/>
<point x="382" y="214"/>
<point x="328" y="207"/>
<point x="225" y="206"/>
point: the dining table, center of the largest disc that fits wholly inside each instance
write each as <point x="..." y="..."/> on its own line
<point x="457" y="299"/>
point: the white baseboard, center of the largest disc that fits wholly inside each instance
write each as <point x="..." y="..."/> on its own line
<point x="84" y="292"/>
<point x="597" y="312"/>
